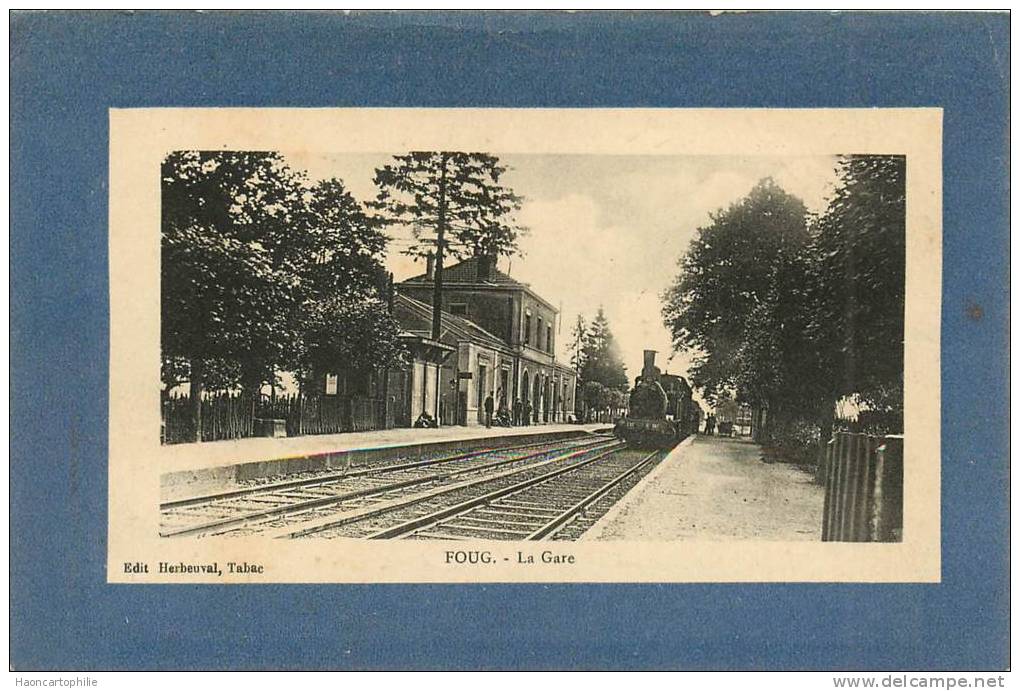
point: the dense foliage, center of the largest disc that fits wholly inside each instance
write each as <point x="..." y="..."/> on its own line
<point x="229" y="259"/>
<point x="859" y="253"/>
<point x="791" y="313"/>
<point x="256" y="262"/>
<point x="458" y="194"/>
<point x="595" y="357"/>
<point x="739" y="300"/>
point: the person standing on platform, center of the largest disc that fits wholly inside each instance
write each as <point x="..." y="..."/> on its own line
<point x="527" y="413"/>
<point x="518" y="411"/>
<point x="488" y="410"/>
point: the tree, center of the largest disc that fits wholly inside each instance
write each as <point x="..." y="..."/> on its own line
<point x="346" y="245"/>
<point x="458" y="194"/>
<point x="228" y="263"/>
<point x="578" y="336"/>
<point x="596" y="397"/>
<point x="262" y="270"/>
<point x="453" y="202"/>
<point x="859" y="248"/>
<point x="600" y="356"/>
<point x="793" y="313"/>
<point x="342" y="316"/>
<point x="353" y="328"/>
<point x="739" y="302"/>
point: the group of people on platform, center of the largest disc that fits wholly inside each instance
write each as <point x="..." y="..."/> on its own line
<point x="723" y="428"/>
<point x="710" y="425"/>
<point x="520" y="413"/>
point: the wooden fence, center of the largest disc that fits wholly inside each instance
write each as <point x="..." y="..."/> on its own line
<point x="224" y="416"/>
<point x="863" y="488"/>
<point x="233" y="416"/>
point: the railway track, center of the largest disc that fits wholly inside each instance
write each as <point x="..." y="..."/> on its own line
<point x="548" y="501"/>
<point x="535" y="509"/>
<point x="275" y="505"/>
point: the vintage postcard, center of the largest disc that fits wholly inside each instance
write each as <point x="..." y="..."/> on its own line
<point x="541" y="345"/>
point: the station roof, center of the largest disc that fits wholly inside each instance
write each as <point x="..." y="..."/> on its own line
<point x="464" y="274"/>
<point x="467" y="272"/>
<point x="415" y="317"/>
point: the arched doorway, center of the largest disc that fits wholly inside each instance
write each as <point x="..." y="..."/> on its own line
<point x="537" y="398"/>
<point x="524" y="397"/>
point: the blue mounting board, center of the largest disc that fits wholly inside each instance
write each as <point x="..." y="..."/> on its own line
<point x="68" y="69"/>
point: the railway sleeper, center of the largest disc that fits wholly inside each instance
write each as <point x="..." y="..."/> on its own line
<point x="544" y="494"/>
<point x="499" y="513"/>
<point x="473" y="531"/>
<point x="534" y="506"/>
<point x="483" y="522"/>
<point x="259" y="500"/>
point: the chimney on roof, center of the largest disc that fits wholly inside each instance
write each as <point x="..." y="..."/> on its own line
<point x="430" y="266"/>
<point x="509" y="319"/>
<point x="486" y="263"/>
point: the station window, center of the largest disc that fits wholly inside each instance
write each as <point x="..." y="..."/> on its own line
<point x="538" y="335"/>
<point x="548" y="338"/>
<point x="527" y="329"/>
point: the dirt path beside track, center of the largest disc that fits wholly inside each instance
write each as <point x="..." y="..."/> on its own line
<point x="718" y="489"/>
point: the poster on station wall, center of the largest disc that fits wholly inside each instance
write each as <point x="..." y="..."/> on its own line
<point x="614" y="320"/>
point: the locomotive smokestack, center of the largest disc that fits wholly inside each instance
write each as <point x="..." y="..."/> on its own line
<point x="649" y="360"/>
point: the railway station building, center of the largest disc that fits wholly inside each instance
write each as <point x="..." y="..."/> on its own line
<point x="504" y="336"/>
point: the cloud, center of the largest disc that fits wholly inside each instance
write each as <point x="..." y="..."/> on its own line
<point x="574" y="259"/>
<point x="609" y="231"/>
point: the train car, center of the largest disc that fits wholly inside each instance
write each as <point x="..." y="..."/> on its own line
<point x="648" y="423"/>
<point x="681" y="406"/>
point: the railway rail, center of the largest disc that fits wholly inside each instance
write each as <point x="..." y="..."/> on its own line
<point x="535" y="509"/>
<point x="533" y="504"/>
<point x="273" y="505"/>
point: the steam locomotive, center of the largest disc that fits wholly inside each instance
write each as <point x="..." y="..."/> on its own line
<point x="661" y="411"/>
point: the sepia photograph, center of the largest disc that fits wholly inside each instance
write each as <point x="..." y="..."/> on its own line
<point x="708" y="347"/>
<point x="530" y="354"/>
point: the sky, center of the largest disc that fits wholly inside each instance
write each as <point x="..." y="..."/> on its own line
<point x="608" y="231"/>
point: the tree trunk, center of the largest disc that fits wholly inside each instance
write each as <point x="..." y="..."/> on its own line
<point x="437" y="287"/>
<point x="768" y="425"/>
<point x="196" y="387"/>
<point x="253" y="398"/>
<point x="301" y="404"/>
<point x="251" y="386"/>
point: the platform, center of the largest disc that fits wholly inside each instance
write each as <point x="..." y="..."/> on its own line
<point x="715" y="488"/>
<point x="215" y="466"/>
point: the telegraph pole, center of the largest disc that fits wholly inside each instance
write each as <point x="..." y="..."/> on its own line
<point x="437" y="290"/>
